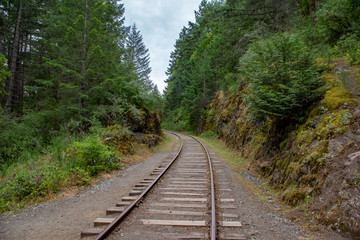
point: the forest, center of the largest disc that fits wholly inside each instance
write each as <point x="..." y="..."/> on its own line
<point x="74" y="89"/>
<point x="277" y="81"/>
<point x="268" y="47"/>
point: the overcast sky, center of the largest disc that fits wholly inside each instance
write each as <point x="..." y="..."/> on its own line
<point x="160" y="22"/>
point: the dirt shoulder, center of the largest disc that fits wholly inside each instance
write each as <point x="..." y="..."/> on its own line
<point x="65" y="217"/>
<point x="262" y="214"/>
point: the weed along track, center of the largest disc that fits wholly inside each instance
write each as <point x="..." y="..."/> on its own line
<point x="180" y="202"/>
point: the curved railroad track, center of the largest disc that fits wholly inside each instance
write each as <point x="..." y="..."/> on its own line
<point x="180" y="202"/>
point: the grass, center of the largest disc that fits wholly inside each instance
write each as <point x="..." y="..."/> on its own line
<point x="167" y="143"/>
<point x="219" y="146"/>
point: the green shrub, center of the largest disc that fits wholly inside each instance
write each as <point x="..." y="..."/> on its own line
<point x="16" y="137"/>
<point x="78" y="177"/>
<point x="24" y="184"/>
<point x="93" y="156"/>
<point x="29" y="183"/>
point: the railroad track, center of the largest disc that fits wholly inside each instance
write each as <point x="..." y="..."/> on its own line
<point x="186" y="198"/>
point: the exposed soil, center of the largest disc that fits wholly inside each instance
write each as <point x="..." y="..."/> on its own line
<point x="65" y="218"/>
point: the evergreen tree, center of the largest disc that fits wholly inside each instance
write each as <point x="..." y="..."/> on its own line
<point x="139" y="55"/>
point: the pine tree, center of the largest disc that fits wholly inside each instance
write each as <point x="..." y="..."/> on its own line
<point x="139" y="55"/>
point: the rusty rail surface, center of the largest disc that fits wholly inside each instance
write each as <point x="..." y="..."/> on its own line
<point x="126" y="212"/>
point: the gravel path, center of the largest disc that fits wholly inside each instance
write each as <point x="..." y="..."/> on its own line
<point x="65" y="218"/>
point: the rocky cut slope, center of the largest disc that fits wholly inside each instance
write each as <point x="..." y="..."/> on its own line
<point x="317" y="161"/>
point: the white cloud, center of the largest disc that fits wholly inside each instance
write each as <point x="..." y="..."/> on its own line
<point x="160" y="22"/>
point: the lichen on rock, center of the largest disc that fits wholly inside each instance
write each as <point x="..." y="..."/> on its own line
<point x="315" y="160"/>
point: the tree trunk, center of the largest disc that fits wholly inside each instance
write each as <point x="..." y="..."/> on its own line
<point x="18" y="88"/>
<point x="313" y="9"/>
<point x="11" y="84"/>
<point x="83" y="64"/>
<point x="204" y="92"/>
<point x="274" y="6"/>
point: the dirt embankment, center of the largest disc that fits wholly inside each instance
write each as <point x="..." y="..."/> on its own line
<point x="314" y="164"/>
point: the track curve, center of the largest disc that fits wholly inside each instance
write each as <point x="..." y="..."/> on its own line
<point x="180" y="200"/>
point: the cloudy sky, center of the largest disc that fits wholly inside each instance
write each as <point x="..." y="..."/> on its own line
<point x="160" y="22"/>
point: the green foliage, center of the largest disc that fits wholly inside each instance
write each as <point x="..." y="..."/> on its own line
<point x="178" y="120"/>
<point x="77" y="78"/>
<point x="65" y="165"/>
<point x="349" y="45"/>
<point x="282" y="78"/>
<point x="207" y="53"/>
<point x="203" y="62"/>
<point x="338" y="17"/>
<point x="71" y="80"/>
<point x="17" y="138"/>
<point x="31" y="182"/>
<point x="31" y="133"/>
<point x="4" y="73"/>
<point x="92" y="156"/>
<point x="139" y="55"/>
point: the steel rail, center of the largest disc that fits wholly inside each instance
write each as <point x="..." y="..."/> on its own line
<point x="127" y="210"/>
<point x="213" y="228"/>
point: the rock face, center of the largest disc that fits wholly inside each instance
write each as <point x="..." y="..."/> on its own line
<point x="144" y="121"/>
<point x="339" y="202"/>
<point x="140" y="127"/>
<point x="315" y="163"/>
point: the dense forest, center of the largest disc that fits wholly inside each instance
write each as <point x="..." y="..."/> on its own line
<point x="277" y="81"/>
<point x="74" y="89"/>
<point x="268" y="46"/>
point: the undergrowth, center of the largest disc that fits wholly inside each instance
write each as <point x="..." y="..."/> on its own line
<point x="67" y="163"/>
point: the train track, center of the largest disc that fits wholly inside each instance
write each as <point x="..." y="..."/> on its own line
<point x="183" y="201"/>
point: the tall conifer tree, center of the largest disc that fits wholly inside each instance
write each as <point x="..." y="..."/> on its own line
<point x="139" y="55"/>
